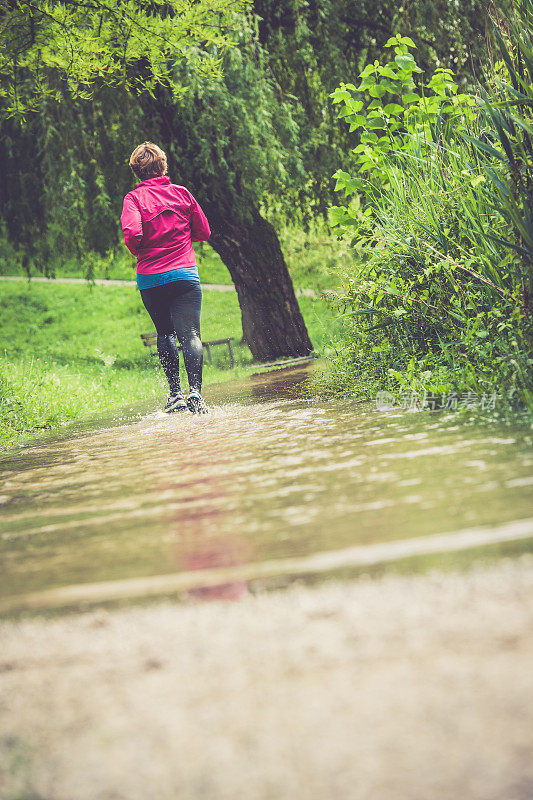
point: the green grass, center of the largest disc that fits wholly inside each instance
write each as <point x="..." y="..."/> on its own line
<point x="88" y="326"/>
<point x="73" y="351"/>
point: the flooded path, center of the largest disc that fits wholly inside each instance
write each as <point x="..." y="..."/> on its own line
<point x="402" y="687"/>
<point x="264" y="488"/>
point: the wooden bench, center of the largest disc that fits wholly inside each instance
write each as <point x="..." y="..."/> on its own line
<point x="150" y="340"/>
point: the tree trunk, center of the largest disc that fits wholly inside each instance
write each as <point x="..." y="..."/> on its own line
<point x="248" y="244"/>
<point x="272" y="322"/>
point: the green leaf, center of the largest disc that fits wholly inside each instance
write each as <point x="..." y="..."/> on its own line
<point x="387" y="72"/>
<point x="337" y="216"/>
<point x="344" y="112"/>
<point x="405" y="62"/>
<point x="390" y="87"/>
<point x="339" y="95"/>
<point x="368" y="70"/>
<point x="377" y="90"/>
<point x="504" y="189"/>
<point x="355" y="105"/>
<point x="393" y="109"/>
<point x="341" y="175"/>
<point x="358" y="121"/>
<point x="376" y="123"/>
<point x="369" y="136"/>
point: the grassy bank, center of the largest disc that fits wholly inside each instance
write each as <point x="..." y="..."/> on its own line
<point x="71" y="351"/>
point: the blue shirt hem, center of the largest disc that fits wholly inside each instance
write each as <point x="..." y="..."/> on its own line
<point x="160" y="278"/>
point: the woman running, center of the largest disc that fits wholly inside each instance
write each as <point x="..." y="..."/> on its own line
<point x="160" y="221"/>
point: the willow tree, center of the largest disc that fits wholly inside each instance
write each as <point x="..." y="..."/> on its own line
<point x="171" y="56"/>
<point x="67" y="108"/>
<point x="59" y="62"/>
<point x="233" y="140"/>
<point x="90" y="43"/>
<point x="64" y="174"/>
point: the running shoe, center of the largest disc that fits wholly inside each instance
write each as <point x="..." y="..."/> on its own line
<point x="196" y="403"/>
<point x="175" y="402"/>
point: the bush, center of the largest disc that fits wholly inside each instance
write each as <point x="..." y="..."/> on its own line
<point x="439" y="213"/>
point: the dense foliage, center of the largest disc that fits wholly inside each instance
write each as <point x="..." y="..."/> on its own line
<point x="117" y="42"/>
<point x="441" y="215"/>
<point x="310" y="43"/>
<point x="254" y="125"/>
<point x="70" y="78"/>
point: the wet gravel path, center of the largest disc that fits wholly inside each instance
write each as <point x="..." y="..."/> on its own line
<point x="404" y="688"/>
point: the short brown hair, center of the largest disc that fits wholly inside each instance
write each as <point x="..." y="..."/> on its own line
<point x="148" y="161"/>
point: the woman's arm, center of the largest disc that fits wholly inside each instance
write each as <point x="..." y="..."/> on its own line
<point x="131" y="224"/>
<point x="200" y="229"/>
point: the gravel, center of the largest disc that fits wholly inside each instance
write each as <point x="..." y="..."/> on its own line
<point x="403" y="688"/>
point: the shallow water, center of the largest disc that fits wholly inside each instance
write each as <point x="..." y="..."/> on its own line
<point x="264" y="478"/>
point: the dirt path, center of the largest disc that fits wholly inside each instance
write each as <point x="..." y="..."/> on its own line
<point x="218" y="287"/>
<point x="406" y="688"/>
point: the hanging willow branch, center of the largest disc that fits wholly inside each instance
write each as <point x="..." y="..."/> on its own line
<point x="89" y="42"/>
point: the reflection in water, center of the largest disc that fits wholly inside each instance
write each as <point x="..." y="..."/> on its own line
<point x="264" y="476"/>
<point x="273" y="385"/>
<point x="198" y="546"/>
<point x="223" y="556"/>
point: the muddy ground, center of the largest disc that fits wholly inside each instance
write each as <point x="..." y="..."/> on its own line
<point x="403" y="688"/>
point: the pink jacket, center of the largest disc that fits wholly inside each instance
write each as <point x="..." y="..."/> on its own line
<point x="160" y="221"/>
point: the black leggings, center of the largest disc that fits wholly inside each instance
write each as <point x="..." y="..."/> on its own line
<point x="175" y="311"/>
